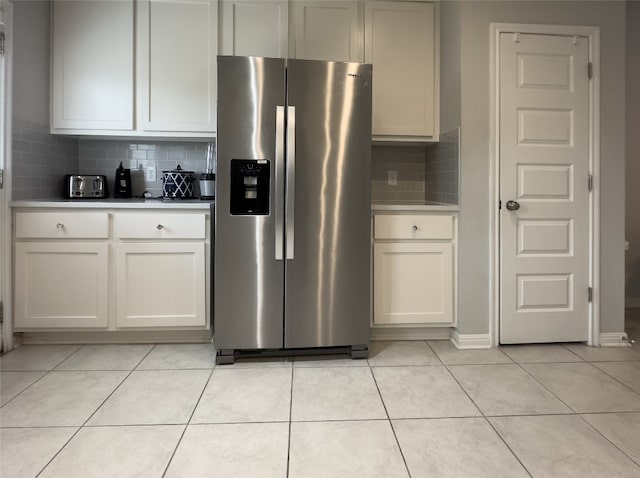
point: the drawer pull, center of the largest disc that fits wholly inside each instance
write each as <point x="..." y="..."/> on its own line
<point x="60" y="225"/>
<point x="415" y="228"/>
<point x="159" y="227"/>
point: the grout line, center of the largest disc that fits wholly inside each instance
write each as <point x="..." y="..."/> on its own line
<point x="606" y="438"/>
<point x="615" y="378"/>
<point x="290" y="423"/>
<point x="92" y="414"/>
<point x="483" y="416"/>
<point x="393" y="430"/>
<point x="186" y="425"/>
<point x="545" y="386"/>
<point x="85" y="422"/>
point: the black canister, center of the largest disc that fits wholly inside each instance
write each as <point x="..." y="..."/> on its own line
<point x="177" y="184"/>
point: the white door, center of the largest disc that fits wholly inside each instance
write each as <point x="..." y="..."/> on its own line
<point x="412" y="283"/>
<point x="254" y="28"/>
<point x="327" y="30"/>
<point x="544" y="167"/>
<point x="92" y="71"/>
<point x="61" y="285"/>
<point x="399" y="40"/>
<point x="160" y="284"/>
<point x="177" y="45"/>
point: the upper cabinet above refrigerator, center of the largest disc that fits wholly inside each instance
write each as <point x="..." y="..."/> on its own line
<point x="400" y="39"/>
<point x="134" y="68"/>
<point x="254" y="28"/>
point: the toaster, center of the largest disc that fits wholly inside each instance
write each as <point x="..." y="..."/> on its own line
<point x="79" y="186"/>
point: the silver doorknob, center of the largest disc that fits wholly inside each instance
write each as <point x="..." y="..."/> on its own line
<point x="159" y="226"/>
<point x="415" y="228"/>
<point x="60" y="225"/>
<point x="513" y="205"/>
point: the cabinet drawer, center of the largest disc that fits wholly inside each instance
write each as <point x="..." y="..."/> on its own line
<point x="62" y="225"/>
<point x="159" y="226"/>
<point x="414" y="226"/>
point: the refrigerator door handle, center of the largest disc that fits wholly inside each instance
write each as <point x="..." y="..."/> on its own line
<point x="279" y="185"/>
<point x="291" y="175"/>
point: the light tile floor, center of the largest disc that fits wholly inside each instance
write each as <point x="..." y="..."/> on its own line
<point x="418" y="409"/>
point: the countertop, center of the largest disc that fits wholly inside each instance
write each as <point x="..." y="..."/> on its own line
<point x="133" y="203"/>
<point x="139" y="203"/>
<point x="421" y="206"/>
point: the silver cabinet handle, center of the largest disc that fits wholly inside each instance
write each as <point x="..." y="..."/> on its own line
<point x="60" y="225"/>
<point x="159" y="226"/>
<point x="415" y="228"/>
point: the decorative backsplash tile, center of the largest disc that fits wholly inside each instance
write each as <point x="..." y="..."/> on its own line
<point x="407" y="163"/>
<point x="442" y="168"/>
<point x="40" y="160"/>
<point x="104" y="157"/>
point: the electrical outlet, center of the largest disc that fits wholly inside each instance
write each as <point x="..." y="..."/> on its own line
<point x="392" y="178"/>
<point x="151" y="173"/>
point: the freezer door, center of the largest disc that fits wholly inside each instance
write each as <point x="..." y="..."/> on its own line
<point x="328" y="224"/>
<point x="248" y="265"/>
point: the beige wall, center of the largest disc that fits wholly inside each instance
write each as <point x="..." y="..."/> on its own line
<point x="475" y="201"/>
<point x="633" y="155"/>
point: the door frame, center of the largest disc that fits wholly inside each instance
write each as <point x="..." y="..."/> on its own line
<point x="6" y="256"/>
<point x="592" y="34"/>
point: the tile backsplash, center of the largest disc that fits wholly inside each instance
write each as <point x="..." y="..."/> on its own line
<point x="104" y="157"/>
<point x="40" y="160"/>
<point x="408" y="166"/>
<point x="441" y="168"/>
<point x="424" y="173"/>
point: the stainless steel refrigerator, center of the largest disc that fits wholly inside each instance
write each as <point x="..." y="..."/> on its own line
<point x="292" y="217"/>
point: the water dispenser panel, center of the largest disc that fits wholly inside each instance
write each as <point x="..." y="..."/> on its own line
<point x="250" y="179"/>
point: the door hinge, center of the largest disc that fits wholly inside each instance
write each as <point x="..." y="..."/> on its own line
<point x="499" y="204"/>
<point x="590" y="70"/>
<point x="590" y="294"/>
<point x="1" y="178"/>
<point x="2" y="41"/>
<point x="590" y="182"/>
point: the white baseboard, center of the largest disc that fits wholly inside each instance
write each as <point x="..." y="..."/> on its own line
<point x="409" y="333"/>
<point x="470" y="341"/>
<point x="614" y="339"/>
<point x="632" y="302"/>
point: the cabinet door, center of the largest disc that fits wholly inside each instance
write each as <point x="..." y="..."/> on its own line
<point x="254" y="28"/>
<point x="413" y="283"/>
<point x="92" y="65"/>
<point x="61" y="285"/>
<point x="160" y="284"/>
<point x="328" y="30"/>
<point x="400" y="42"/>
<point x="177" y="45"/>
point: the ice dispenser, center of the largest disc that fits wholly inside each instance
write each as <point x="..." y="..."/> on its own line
<point x="250" y="186"/>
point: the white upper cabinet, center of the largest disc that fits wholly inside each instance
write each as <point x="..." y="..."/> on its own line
<point x="401" y="41"/>
<point x="160" y="52"/>
<point x="92" y="65"/>
<point x="327" y="30"/>
<point x="254" y="28"/>
<point x="177" y="46"/>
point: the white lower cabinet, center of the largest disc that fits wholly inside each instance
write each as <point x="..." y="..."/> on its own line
<point x="112" y="269"/>
<point x="414" y="274"/>
<point x="61" y="285"/>
<point x="160" y="285"/>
